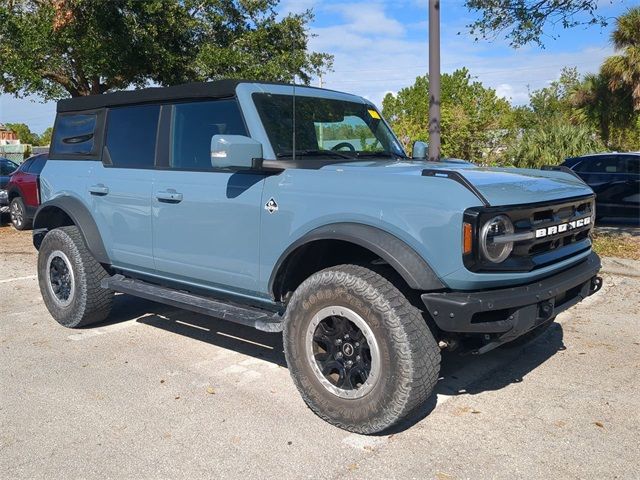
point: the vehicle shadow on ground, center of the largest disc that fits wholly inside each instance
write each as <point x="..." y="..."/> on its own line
<point x="459" y="374"/>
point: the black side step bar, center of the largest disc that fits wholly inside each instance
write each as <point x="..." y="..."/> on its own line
<point x="251" y="317"/>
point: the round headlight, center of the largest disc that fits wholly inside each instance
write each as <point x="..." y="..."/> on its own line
<point x="496" y="251"/>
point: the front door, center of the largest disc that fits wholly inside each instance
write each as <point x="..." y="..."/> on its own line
<point x="206" y="220"/>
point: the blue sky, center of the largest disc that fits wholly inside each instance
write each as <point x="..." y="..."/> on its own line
<point x="381" y="46"/>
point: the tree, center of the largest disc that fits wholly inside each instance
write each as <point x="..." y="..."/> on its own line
<point x="45" y="138"/>
<point x="58" y="48"/>
<point x="555" y="100"/>
<point x="24" y="133"/>
<point x="610" y="99"/>
<point x="523" y="21"/>
<point x="549" y="143"/>
<point x="623" y="70"/>
<point x="473" y="117"/>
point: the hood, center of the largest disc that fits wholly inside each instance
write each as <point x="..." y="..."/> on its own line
<point x="499" y="186"/>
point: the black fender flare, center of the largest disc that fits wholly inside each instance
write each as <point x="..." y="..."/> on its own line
<point x="401" y="257"/>
<point x="45" y="220"/>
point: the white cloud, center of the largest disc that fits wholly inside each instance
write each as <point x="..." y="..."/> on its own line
<point x="371" y="61"/>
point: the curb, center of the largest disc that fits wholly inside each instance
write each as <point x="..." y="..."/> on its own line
<point x="621" y="266"/>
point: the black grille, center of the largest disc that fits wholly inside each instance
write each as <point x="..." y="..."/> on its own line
<point x="538" y="252"/>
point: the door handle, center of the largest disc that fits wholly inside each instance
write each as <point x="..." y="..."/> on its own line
<point x="169" y="196"/>
<point x="99" y="190"/>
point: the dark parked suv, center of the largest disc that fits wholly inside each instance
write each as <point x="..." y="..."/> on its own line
<point x="615" y="178"/>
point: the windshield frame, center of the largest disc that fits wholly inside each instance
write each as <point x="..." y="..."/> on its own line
<point x="257" y="130"/>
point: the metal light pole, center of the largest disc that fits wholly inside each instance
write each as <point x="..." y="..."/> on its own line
<point x="434" y="80"/>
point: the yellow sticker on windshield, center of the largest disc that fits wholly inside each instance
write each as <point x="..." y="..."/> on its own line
<point x="374" y="114"/>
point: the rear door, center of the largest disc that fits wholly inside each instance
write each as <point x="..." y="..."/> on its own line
<point x="206" y="220"/>
<point x="121" y="186"/>
<point x="606" y="175"/>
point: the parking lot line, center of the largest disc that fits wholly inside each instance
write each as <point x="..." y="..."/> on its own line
<point x="101" y="331"/>
<point x="17" y="279"/>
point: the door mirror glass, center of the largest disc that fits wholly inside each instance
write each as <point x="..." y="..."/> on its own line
<point x="237" y="151"/>
<point x="420" y="150"/>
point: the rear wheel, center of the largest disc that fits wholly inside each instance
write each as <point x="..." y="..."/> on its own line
<point x="360" y="354"/>
<point x="69" y="279"/>
<point x="18" y="213"/>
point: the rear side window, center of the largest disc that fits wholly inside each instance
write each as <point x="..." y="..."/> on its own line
<point x="74" y="134"/>
<point x="633" y="165"/>
<point x="24" y="167"/>
<point x="37" y="164"/>
<point x="193" y="126"/>
<point x="131" y="136"/>
<point x="613" y="164"/>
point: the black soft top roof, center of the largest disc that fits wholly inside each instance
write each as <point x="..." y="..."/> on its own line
<point x="216" y="89"/>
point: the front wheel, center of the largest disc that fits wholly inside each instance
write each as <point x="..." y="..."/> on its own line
<point x="360" y="354"/>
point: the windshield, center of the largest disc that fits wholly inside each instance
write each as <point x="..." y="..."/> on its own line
<point x="325" y="128"/>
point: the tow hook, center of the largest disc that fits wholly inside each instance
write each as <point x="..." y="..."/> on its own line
<point x="596" y="284"/>
<point x="449" y="344"/>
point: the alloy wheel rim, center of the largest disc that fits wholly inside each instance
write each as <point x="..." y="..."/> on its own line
<point x="342" y="351"/>
<point x="16" y="214"/>
<point x="60" y="278"/>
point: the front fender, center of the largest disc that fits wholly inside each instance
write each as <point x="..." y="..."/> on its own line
<point x="404" y="259"/>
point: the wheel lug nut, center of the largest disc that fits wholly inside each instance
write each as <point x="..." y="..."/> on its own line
<point x="339" y="355"/>
<point x="346" y="337"/>
<point x="357" y="344"/>
<point x="349" y="363"/>
<point x="357" y="358"/>
<point x="339" y="342"/>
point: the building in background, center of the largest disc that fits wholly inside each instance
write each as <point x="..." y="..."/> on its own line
<point x="8" y="136"/>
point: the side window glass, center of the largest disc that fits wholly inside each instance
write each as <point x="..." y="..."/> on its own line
<point x="632" y="165"/>
<point x="131" y="136"/>
<point x="74" y="134"/>
<point x="37" y="164"/>
<point x="5" y="168"/>
<point x="24" y="167"/>
<point x="194" y="124"/>
<point x="602" y="165"/>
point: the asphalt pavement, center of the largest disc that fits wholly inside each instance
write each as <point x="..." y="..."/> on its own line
<point x="160" y="393"/>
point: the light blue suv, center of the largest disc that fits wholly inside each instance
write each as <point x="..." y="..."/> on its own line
<point x="295" y="209"/>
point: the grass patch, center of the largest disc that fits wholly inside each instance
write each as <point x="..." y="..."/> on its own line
<point x="616" y="245"/>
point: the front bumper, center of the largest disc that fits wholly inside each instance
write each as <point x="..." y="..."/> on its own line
<point x="505" y="314"/>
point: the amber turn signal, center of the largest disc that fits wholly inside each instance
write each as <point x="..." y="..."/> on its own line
<point x="467" y="238"/>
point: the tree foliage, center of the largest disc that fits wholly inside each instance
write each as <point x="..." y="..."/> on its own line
<point x="473" y="116"/>
<point x="622" y="71"/>
<point x="57" y="48"/>
<point x="522" y="21"/>
<point x="549" y="143"/>
<point x="24" y="133"/>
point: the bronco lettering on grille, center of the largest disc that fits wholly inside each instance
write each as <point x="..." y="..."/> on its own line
<point x="563" y="227"/>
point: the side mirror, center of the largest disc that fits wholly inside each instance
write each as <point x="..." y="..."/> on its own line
<point x="420" y="150"/>
<point x="235" y="151"/>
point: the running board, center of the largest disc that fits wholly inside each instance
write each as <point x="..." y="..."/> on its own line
<point x="251" y="317"/>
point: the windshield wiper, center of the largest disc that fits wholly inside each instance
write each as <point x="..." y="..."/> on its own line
<point x="316" y="153"/>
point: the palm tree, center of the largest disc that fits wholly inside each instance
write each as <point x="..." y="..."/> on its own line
<point x="623" y="70"/>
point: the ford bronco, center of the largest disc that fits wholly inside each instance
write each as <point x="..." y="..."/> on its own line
<point x="295" y="209"/>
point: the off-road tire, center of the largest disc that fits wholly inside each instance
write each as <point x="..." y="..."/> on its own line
<point x="18" y="214"/>
<point x="89" y="302"/>
<point x="409" y="354"/>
